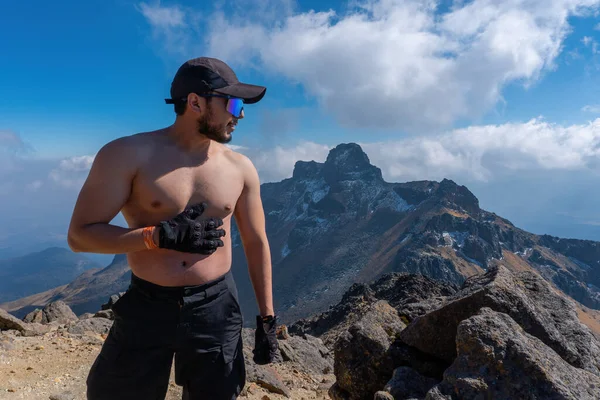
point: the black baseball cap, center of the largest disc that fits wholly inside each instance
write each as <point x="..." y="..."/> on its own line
<point x="204" y="74"/>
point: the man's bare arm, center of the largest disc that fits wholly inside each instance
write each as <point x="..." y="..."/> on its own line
<point x="250" y="219"/>
<point x="101" y="198"/>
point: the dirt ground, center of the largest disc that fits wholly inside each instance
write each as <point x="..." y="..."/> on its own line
<point x="55" y="366"/>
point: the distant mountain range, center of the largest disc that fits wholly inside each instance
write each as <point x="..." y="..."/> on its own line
<point x="40" y="271"/>
<point x="336" y="223"/>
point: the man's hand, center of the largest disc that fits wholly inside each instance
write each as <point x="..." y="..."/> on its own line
<point x="266" y="346"/>
<point x="186" y="232"/>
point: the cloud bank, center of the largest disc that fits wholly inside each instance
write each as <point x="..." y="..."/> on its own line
<point x="404" y="65"/>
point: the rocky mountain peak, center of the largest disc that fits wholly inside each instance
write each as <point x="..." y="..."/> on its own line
<point x="307" y="170"/>
<point x="459" y="195"/>
<point x="348" y="161"/>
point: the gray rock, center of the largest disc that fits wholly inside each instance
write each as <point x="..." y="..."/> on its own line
<point x="412" y="294"/>
<point x="425" y="364"/>
<point x="34" y="316"/>
<point x="108" y="314"/>
<point x="362" y="363"/>
<point x="35" y="329"/>
<point x="308" y="353"/>
<point x="86" y="315"/>
<point x="263" y="375"/>
<point x="329" y="325"/>
<point x="58" y="311"/>
<point x="406" y="383"/>
<point x="68" y="395"/>
<point x="498" y="359"/>
<point x="527" y="298"/>
<point x="267" y="377"/>
<point x="9" y="321"/>
<point x="111" y="301"/>
<point x="95" y="325"/>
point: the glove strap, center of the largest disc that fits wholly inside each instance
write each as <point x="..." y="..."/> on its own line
<point x="148" y="233"/>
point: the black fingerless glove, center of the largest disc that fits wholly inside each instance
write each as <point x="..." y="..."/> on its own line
<point x="266" y="347"/>
<point x="187" y="233"/>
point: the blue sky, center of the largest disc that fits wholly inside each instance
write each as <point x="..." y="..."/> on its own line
<point x="490" y="95"/>
<point x="81" y="73"/>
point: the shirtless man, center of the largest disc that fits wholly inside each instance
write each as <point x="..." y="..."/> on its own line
<point x="178" y="188"/>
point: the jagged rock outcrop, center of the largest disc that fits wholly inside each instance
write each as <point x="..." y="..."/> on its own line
<point x="8" y="322"/>
<point x="527" y="298"/>
<point x="410" y="294"/>
<point x="501" y="332"/>
<point x="97" y="325"/>
<point x="498" y="359"/>
<point x="406" y="383"/>
<point x="308" y="354"/>
<point x="57" y="311"/>
<point x="362" y="364"/>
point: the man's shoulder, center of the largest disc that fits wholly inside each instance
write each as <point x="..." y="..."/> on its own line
<point x="239" y="159"/>
<point x="129" y="146"/>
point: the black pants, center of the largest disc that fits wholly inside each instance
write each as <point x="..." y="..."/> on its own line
<point x="200" y="325"/>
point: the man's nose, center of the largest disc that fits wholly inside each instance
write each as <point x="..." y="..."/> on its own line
<point x="241" y="114"/>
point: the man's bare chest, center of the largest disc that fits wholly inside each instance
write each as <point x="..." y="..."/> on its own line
<point x="168" y="191"/>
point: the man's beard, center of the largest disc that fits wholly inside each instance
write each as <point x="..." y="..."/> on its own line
<point x="216" y="133"/>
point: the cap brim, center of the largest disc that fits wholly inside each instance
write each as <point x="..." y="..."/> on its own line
<point x="249" y="93"/>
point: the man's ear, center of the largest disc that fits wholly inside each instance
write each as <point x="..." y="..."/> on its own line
<point x="195" y="102"/>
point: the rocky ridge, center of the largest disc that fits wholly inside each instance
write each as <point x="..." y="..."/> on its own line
<point x="502" y="334"/>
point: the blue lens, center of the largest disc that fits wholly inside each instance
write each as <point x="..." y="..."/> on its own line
<point x="235" y="107"/>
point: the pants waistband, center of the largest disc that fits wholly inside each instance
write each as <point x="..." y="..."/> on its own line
<point x="174" y="292"/>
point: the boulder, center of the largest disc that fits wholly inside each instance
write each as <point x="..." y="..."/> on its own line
<point x="34" y="316"/>
<point x="95" y="325"/>
<point x="308" y="353"/>
<point x="58" y="311"/>
<point x="108" y="314"/>
<point x="362" y="364"/>
<point x="263" y="375"/>
<point x="406" y="383"/>
<point x="9" y="321"/>
<point x="111" y="301"/>
<point x="498" y="359"/>
<point x="527" y="298"/>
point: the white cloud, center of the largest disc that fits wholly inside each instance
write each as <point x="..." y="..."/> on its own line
<point x="72" y="172"/>
<point x="396" y="64"/>
<point x="171" y="25"/>
<point x="589" y="41"/>
<point x="478" y="153"/>
<point x="163" y="17"/>
<point x="277" y="163"/>
<point x="594" y="108"/>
